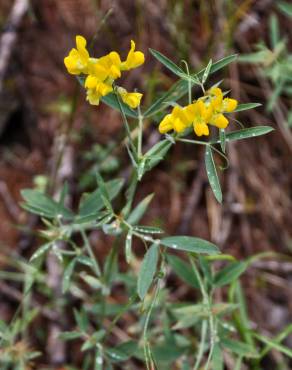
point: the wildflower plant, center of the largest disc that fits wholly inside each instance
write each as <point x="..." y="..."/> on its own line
<point x="166" y="334"/>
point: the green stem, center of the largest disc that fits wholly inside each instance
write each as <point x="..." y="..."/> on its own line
<point x="202" y="345"/>
<point x="140" y="133"/>
<point x="90" y="252"/>
<point x="192" y="141"/>
<point x="206" y="301"/>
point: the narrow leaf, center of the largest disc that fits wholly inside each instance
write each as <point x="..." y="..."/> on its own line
<point x="217" y="358"/>
<point x="246" y="106"/>
<point x="168" y="63"/>
<point x="240" y="348"/>
<point x="190" y="244"/>
<point x="222" y="137"/>
<point x="183" y="270"/>
<point x="68" y="275"/>
<point x="147" y="271"/>
<point x="180" y="88"/>
<point x="273" y="344"/>
<point x="40" y="251"/>
<point x="247" y="133"/>
<point x="128" y="247"/>
<point x="207" y="71"/>
<point x="212" y="174"/>
<point x="230" y="273"/>
<point x="138" y="212"/>
<point x="93" y="203"/>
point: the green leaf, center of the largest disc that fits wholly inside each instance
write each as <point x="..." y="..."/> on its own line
<point x="183" y="270"/>
<point x="180" y="88"/>
<point x="168" y="63"/>
<point x="41" y="250"/>
<point x="273" y="344"/>
<point x="212" y="174"/>
<point x="285" y="7"/>
<point x="190" y="244"/>
<point x="93" y="203"/>
<point x="147" y="271"/>
<point x="274" y="30"/>
<point x="139" y="211"/>
<point x="157" y="153"/>
<point x="240" y="348"/>
<point x="207" y="71"/>
<point x="246" y="106"/>
<point x="229" y="273"/>
<point x="222" y="137"/>
<point x="217" y="358"/>
<point x="112" y="101"/>
<point x="68" y="274"/>
<point x="82" y="319"/>
<point x="148" y="229"/>
<point x="70" y="335"/>
<point x="255" y="58"/>
<point x="41" y="204"/>
<point x="246" y="133"/>
<point x="104" y="192"/>
<point x="117" y="355"/>
<point x="128" y="247"/>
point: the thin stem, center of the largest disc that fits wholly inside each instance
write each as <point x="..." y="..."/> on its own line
<point x="90" y="252"/>
<point x="126" y="124"/>
<point x="189" y="82"/>
<point x="202" y="344"/>
<point x="140" y="132"/>
<point x="146" y="324"/>
<point x="222" y="155"/>
<point x="207" y="301"/>
<point x="193" y="141"/>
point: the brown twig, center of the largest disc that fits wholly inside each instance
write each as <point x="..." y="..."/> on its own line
<point x="9" y="36"/>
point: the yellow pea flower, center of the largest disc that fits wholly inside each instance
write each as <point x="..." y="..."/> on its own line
<point x="112" y="63"/>
<point x="96" y="89"/>
<point x="199" y="114"/>
<point x="166" y="124"/>
<point x="220" y="106"/>
<point x="77" y="60"/>
<point x="131" y="99"/>
<point x="102" y="72"/>
<point x="177" y="120"/>
<point x="134" y="58"/>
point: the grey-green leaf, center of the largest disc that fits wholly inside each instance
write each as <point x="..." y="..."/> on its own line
<point x="168" y="63"/>
<point x="180" y="88"/>
<point x="248" y="132"/>
<point x="230" y="273"/>
<point x="246" y="106"/>
<point x="93" y="203"/>
<point x="183" y="270"/>
<point x="68" y="275"/>
<point x="212" y="174"/>
<point x="190" y="244"/>
<point x="147" y="271"/>
<point x="139" y="211"/>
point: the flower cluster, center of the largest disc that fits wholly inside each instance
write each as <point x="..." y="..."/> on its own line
<point x="208" y="109"/>
<point x="102" y="72"/>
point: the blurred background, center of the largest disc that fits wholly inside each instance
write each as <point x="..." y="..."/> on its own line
<point x="43" y="110"/>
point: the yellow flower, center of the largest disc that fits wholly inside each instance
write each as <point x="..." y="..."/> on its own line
<point x="102" y="72"/>
<point x="199" y="114"/>
<point x="96" y="89"/>
<point x="220" y="106"/>
<point x="177" y="120"/>
<point x="77" y="60"/>
<point x="131" y="99"/>
<point x="112" y="64"/>
<point x="134" y="58"/>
